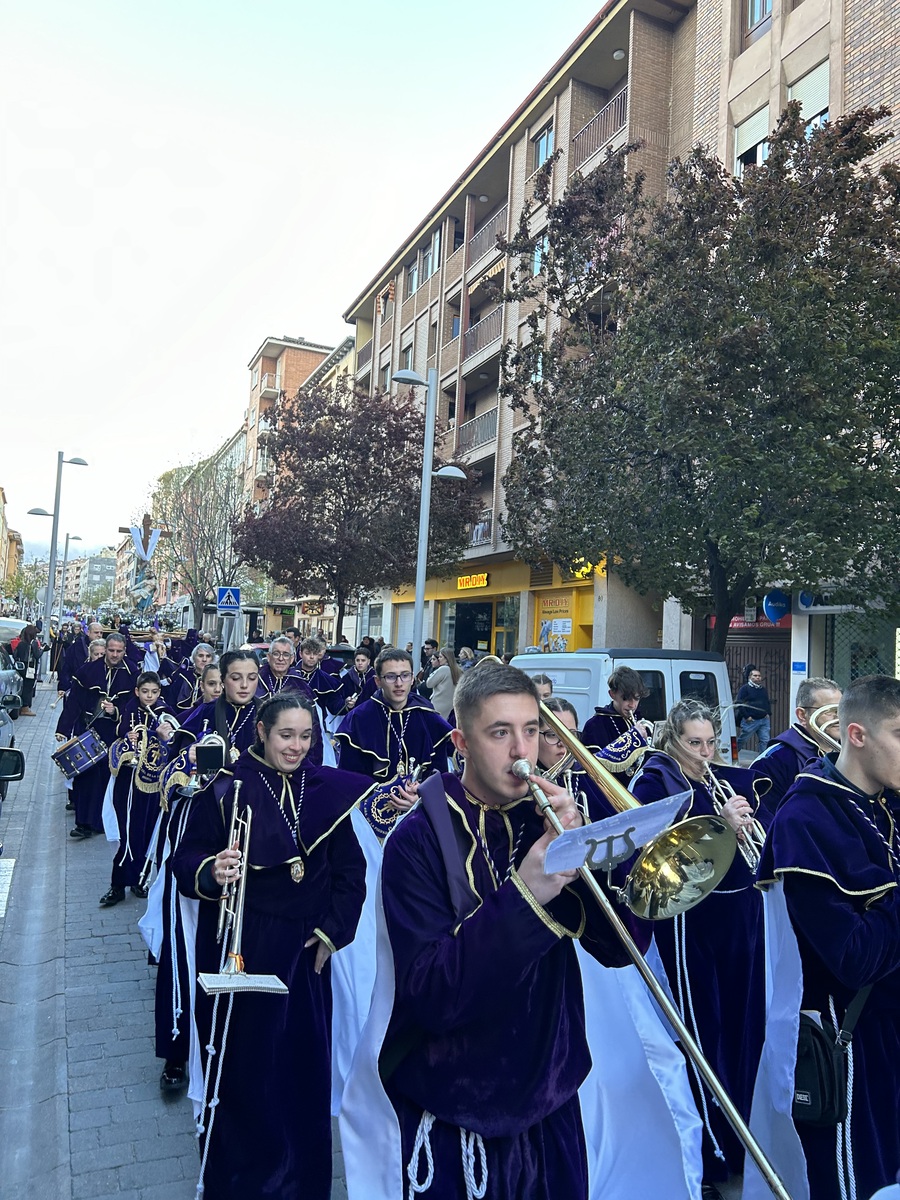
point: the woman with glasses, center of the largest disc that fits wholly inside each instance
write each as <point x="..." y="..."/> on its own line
<point x="185" y="681"/>
<point x="713" y="954"/>
<point x="443" y="680"/>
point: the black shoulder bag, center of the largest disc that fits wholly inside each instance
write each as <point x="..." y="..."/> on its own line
<point x="820" y="1077"/>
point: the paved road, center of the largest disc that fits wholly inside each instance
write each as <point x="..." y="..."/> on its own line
<point x="80" y="1106"/>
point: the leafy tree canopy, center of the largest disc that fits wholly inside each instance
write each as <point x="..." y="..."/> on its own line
<point x="342" y="521"/>
<point x="711" y="381"/>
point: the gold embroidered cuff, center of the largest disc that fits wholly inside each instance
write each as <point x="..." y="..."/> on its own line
<point x="528" y="896"/>
<point x="323" y="937"/>
<point x="203" y="895"/>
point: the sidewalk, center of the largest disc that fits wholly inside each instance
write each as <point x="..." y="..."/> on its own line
<point x="81" y="1110"/>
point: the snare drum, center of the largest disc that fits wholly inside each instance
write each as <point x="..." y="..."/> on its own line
<point x="79" y="754"/>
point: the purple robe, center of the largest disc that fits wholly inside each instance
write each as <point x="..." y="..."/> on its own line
<point x="713" y="957"/>
<point x="135" y="791"/>
<point x="782" y="761"/>
<point x="72" y="657"/>
<point x="487" y="1031"/>
<point x="325" y="688"/>
<point x="829" y="845"/>
<point x="624" y="743"/>
<point x="362" y="687"/>
<point x="90" y="684"/>
<point x="291" y="681"/>
<point x="388" y="746"/>
<point x="270" y="1134"/>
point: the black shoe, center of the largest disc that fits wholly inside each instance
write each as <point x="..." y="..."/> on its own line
<point x="173" y="1078"/>
<point x="81" y="832"/>
<point x="709" y="1191"/>
<point x="140" y="892"/>
<point x="113" y="896"/>
<point x="70" y="807"/>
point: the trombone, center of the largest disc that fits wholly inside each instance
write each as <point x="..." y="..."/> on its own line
<point x="661" y="865"/>
<point x="233" y="977"/>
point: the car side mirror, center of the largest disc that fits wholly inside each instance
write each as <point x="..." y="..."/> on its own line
<point x="10" y="700"/>
<point x="12" y="764"/>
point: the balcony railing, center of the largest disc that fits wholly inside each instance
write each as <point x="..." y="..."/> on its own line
<point x="364" y="355"/>
<point x="476" y="432"/>
<point x="270" y="387"/>
<point x="487" y="330"/>
<point x="481" y="531"/>
<point x="486" y="237"/>
<point x="600" y="129"/>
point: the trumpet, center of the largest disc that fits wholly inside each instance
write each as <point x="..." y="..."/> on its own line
<point x="233" y="977"/>
<point x="751" y="839"/>
<point x="644" y="728"/>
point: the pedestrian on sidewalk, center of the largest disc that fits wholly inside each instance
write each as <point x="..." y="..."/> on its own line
<point x="27" y="651"/>
<point x="753" y="709"/>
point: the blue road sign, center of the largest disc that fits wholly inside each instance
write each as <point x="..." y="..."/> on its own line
<point x="228" y="600"/>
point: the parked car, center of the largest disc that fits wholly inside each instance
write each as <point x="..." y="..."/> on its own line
<point x="10" y="704"/>
<point x="670" y="675"/>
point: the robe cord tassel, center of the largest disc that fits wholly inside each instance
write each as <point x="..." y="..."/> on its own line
<point x="422" y="1143"/>
<point x="471" y="1142"/>
<point x="684" y="985"/>
<point x="843" y="1143"/>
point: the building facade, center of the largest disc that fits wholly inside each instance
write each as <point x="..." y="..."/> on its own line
<point x="716" y="72"/>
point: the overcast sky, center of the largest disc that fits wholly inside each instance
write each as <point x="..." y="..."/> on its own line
<point x="184" y="178"/>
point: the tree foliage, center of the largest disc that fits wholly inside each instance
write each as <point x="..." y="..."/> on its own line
<point x="711" y="381"/>
<point x="342" y="521"/>
<point x="198" y="505"/>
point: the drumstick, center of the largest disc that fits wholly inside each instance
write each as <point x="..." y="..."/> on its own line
<point x="56" y="701"/>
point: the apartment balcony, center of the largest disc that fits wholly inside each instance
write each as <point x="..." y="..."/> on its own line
<point x="601" y="130"/>
<point x="477" y="432"/>
<point x="482" y="334"/>
<point x="485" y="239"/>
<point x="269" y="387"/>
<point x="481" y="531"/>
<point x="264" y="431"/>
<point x="364" y="357"/>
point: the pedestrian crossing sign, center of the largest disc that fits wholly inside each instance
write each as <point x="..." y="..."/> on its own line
<point x="228" y="600"/>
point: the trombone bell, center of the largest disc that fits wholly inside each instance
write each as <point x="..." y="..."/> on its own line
<point x="679" y="868"/>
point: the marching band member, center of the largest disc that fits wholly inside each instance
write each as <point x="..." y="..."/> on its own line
<point x="326" y="688"/>
<point x="269" y="1131"/>
<point x="279" y="672"/>
<point x="392" y="737"/>
<point x="232" y="715"/>
<point x="99" y="690"/>
<point x="131" y="805"/>
<point x="713" y="953"/>
<point x="466" y="1081"/>
<point x="831" y="873"/>
<point x="617" y="728"/>
<point x="799" y="747"/>
<point x="358" y="682"/>
<point x="187" y="679"/>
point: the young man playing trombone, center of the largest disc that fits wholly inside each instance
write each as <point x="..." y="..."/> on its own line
<point x="466" y="1082"/>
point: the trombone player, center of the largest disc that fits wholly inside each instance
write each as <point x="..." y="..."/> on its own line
<point x="814" y="733"/>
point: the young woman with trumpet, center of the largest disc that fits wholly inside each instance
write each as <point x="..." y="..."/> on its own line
<point x="713" y="954"/>
<point x="264" y="1091"/>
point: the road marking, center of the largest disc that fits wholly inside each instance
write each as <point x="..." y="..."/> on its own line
<point x="6" y="873"/>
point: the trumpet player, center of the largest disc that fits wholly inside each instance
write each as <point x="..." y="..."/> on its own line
<point x="813" y="734"/>
<point x="269" y="1131"/>
<point x="617" y="728"/>
<point x="713" y="954"/>
<point x="395" y="738"/>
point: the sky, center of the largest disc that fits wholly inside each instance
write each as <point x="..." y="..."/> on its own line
<point x="180" y="180"/>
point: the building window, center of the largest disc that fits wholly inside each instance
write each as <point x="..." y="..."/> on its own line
<point x="540" y="253"/>
<point x="812" y="93"/>
<point x="386" y="377"/>
<point x="542" y="147"/>
<point x="751" y="146"/>
<point x="432" y="339"/>
<point x="757" y="19"/>
<point x="412" y="277"/>
<point x="427" y="263"/>
<point x="406" y="358"/>
<point x="254" y="378"/>
<point x="454" y="326"/>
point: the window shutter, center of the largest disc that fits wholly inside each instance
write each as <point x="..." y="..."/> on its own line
<point x="752" y="131"/>
<point x="811" y="91"/>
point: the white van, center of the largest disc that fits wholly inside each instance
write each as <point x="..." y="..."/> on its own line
<point x="670" y="675"/>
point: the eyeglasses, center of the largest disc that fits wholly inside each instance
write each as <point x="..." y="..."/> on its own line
<point x="280" y="654"/>
<point x="553" y="739"/>
<point x="404" y="677"/>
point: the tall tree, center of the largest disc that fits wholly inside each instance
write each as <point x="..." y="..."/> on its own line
<point x="199" y="505"/>
<point x="712" y="379"/>
<point x="343" y="516"/>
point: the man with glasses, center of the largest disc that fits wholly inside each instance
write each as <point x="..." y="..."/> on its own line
<point x="396" y="738"/>
<point x="799" y="747"/>
<point x="278" y="673"/>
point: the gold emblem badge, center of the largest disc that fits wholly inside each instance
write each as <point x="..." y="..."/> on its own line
<point x="297" y="871"/>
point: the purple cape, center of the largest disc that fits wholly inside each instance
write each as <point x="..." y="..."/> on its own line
<point x="829" y="844"/>
<point x="270" y="1134"/>
<point x="291" y="681"/>
<point x="782" y="761"/>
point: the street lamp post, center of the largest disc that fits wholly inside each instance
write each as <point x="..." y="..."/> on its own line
<point x="70" y="537"/>
<point x="42" y="512"/>
<point x="412" y="379"/>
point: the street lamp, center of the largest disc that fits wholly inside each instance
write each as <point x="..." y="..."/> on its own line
<point x="412" y="379"/>
<point x="70" y="537"/>
<point x="42" y="512"/>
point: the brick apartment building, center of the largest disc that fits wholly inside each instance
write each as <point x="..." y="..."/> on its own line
<point x="669" y="74"/>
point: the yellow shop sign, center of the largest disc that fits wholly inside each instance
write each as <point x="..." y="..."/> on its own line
<point x="465" y="582"/>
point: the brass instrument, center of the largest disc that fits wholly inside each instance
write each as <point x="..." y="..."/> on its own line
<point x="681" y="865"/>
<point x="523" y="770"/>
<point x="751" y="839"/>
<point x="819" y="725"/>
<point x="233" y="977"/>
